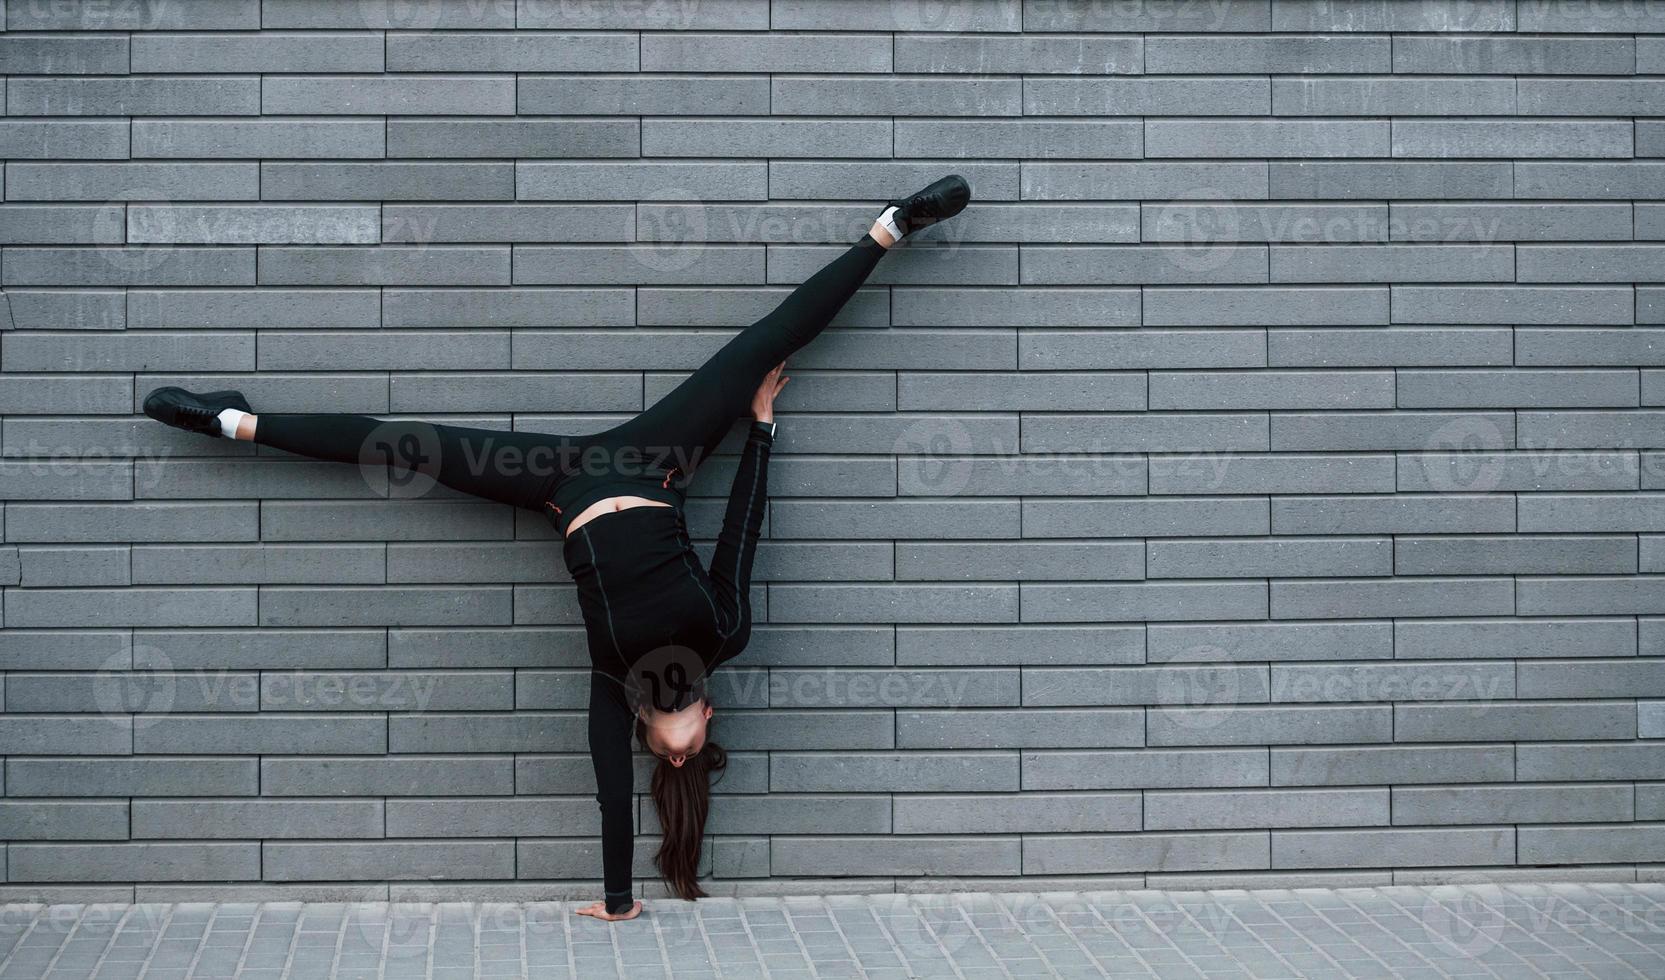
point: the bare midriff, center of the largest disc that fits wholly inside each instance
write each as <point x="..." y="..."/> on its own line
<point x="608" y="505"/>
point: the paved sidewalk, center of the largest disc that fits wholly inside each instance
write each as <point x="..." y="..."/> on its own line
<point x="1511" y="931"/>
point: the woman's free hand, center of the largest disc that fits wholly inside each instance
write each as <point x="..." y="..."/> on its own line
<point x="763" y="403"/>
<point x="599" y="910"/>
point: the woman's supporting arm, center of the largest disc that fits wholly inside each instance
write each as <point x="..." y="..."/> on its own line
<point x="610" y="726"/>
<point x="731" y="562"/>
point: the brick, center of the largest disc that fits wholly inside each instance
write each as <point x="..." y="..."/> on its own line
<point x="1591" y="596"/>
<point x="1516" y="638"/>
<point x="879" y="180"/>
<point x="1418" y="847"/>
<point x="1593" y="844"/>
<point x="1347" y="180"/>
<point x="72" y="55"/>
<point x="1374" y="765"/>
<point x="230" y="861"/>
<point x="1352" y="598"/>
<point x="1154" y="432"/>
<point x="391" y="606"/>
<point x="1277" y="473"/>
<point x="1103" y="265"/>
<point x="1029" y="728"/>
<point x="1312" y="557"/>
<point x="67" y="735"/>
<point x="1144" y="517"/>
<point x="1268" y="138"/>
<point x="1270" y="642"/>
<point x="1396" y="514"/>
<point x="1145" y="96"/>
<point x="32" y="820"/>
<point x="1512" y="304"/>
<point x="1272" y="808"/>
<point x="1146" y="180"/>
<point x="259" y="649"/>
<point x="266" y="52"/>
<point x="1380" y="430"/>
<point x="251" y="139"/>
<point x="443" y="14"/>
<point x="131" y="607"/>
<point x="66" y="224"/>
<point x="388" y="860"/>
<point x="806" y="603"/>
<point x="465" y="95"/>
<point x="889" y="855"/>
<point x="393" y="181"/>
<point x="1442" y="347"/>
<point x="1339" y="96"/>
<point x="820" y="772"/>
<point x="64" y="139"/>
<point x="1026" y="813"/>
<point x="1019" y="645"/>
<point x="1516" y="55"/>
<point x="136" y="777"/>
<point x="219" y="819"/>
<point x="252" y="224"/>
<point x="1514" y="721"/>
<point x="636" y="264"/>
<point x="1138" y="685"/>
<point x="1202" y="54"/>
<point x="1078" y="853"/>
<point x="976" y="16"/>
<point x="519" y="307"/>
<point x="392" y="776"/>
<point x="690" y="52"/>
<point x="1144" y="768"/>
<point x="1594" y="181"/>
<point x="1472" y="555"/>
<point x="1573" y="803"/>
<point x="262" y="734"/>
<point x="1516" y="138"/>
<point x="1016" y="54"/>
<point x="116" y="266"/>
<point x="498" y="52"/>
<point x="1175" y="306"/>
<point x="1025" y="561"/>
<point x="153" y="95"/>
<point x="641" y="94"/>
<point x="627" y="181"/>
<point x="1164" y="601"/>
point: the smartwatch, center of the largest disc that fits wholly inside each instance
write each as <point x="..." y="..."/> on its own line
<point x="768" y="427"/>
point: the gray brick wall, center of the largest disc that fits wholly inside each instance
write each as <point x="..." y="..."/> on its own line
<point x="1262" y="484"/>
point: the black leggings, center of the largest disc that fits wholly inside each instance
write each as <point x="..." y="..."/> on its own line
<point x="664" y="443"/>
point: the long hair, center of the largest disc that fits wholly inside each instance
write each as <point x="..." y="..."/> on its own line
<point x="682" y="797"/>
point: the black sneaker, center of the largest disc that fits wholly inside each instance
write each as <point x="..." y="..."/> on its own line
<point x="192" y="412"/>
<point x="938" y="202"/>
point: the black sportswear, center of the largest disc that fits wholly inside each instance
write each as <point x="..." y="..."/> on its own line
<point x="657" y="621"/>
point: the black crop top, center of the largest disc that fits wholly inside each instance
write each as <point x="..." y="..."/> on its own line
<point x="658" y="623"/>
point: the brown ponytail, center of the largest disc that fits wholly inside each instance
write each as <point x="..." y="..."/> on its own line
<point x="682" y="797"/>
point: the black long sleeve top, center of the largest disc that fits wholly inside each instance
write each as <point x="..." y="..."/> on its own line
<point x="657" y="624"/>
